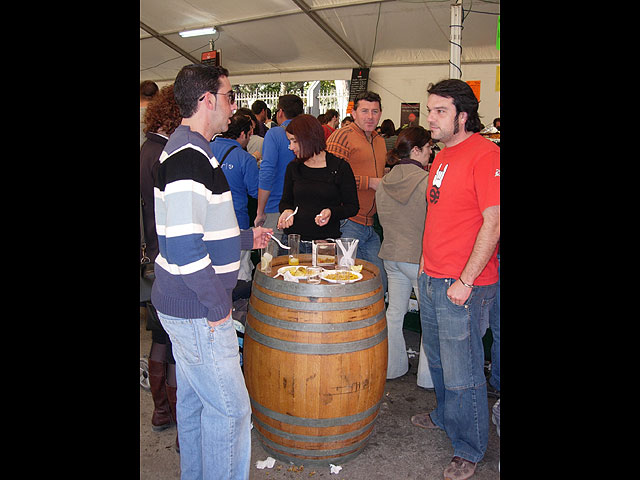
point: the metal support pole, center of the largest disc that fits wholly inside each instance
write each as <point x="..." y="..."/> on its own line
<point x="455" y="39"/>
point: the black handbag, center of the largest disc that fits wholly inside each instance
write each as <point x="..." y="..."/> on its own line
<point x="147" y="274"/>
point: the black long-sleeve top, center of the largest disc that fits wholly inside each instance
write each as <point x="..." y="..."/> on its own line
<point x="314" y="189"/>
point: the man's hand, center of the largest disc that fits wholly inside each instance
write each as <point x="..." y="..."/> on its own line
<point x="458" y="293"/>
<point x="261" y="236"/>
<point x="219" y="322"/>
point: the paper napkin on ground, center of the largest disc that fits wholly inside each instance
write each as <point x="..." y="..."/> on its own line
<point x="268" y="463"/>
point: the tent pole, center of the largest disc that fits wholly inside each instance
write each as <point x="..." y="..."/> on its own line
<point x="455" y="39"/>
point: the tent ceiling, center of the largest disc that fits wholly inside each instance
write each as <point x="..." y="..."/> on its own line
<point x="275" y="36"/>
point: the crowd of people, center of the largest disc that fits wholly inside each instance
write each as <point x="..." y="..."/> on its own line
<point x="440" y="225"/>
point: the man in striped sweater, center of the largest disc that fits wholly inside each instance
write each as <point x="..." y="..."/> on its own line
<point x="196" y="271"/>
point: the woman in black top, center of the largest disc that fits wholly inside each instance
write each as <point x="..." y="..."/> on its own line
<point x="319" y="184"/>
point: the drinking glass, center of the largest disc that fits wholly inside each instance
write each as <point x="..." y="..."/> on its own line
<point x="313" y="274"/>
<point x="294" y="251"/>
<point x="324" y="254"/>
<point x="267" y="254"/>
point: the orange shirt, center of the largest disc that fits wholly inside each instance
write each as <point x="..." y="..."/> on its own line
<point x="367" y="160"/>
<point x="464" y="180"/>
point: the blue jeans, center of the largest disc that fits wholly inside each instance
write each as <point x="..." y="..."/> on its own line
<point x="368" y="245"/>
<point x="402" y="277"/>
<point x="494" y="323"/>
<point x="452" y="337"/>
<point x="213" y="409"/>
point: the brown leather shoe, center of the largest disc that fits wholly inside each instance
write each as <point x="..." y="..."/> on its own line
<point x="423" y="420"/>
<point x="459" y="469"/>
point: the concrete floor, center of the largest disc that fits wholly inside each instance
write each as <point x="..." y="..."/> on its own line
<point x="396" y="449"/>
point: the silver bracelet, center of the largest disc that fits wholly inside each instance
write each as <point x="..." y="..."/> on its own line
<point x="465" y="284"/>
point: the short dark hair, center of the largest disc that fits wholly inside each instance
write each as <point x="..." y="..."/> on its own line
<point x="258" y="106"/>
<point x="240" y="122"/>
<point x="407" y="139"/>
<point x="148" y="89"/>
<point x="247" y="111"/>
<point x="192" y="82"/>
<point x="309" y="134"/>
<point x="463" y="98"/>
<point x="368" y="97"/>
<point x="291" y="105"/>
<point x="387" y="127"/>
<point x="330" y="114"/>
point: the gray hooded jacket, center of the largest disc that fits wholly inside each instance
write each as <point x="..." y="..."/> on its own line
<point x="402" y="207"/>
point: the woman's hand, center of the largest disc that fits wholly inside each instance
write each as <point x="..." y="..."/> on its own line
<point x="323" y="217"/>
<point x="282" y="224"/>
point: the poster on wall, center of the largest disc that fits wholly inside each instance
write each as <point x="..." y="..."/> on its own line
<point x="475" y="86"/>
<point x="359" y="84"/>
<point x="409" y="114"/>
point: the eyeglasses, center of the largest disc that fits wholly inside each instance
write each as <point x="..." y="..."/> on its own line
<point x="231" y="95"/>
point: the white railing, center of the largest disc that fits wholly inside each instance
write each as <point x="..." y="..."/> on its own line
<point x="326" y="99"/>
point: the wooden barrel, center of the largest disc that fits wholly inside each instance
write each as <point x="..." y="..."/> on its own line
<point x="315" y="364"/>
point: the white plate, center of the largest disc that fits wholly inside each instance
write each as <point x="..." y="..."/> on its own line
<point x="326" y="273"/>
<point x="291" y="269"/>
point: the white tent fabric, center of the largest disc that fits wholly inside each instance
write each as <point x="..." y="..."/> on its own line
<point x="275" y="36"/>
<point x="405" y="43"/>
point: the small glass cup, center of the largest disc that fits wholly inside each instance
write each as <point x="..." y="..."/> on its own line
<point x="267" y="254"/>
<point x="313" y="274"/>
<point x="324" y="254"/>
<point x="293" y="241"/>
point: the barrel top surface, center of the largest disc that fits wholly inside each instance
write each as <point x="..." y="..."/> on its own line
<point x="369" y="281"/>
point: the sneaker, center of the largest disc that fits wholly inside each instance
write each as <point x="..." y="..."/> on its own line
<point x="495" y="415"/>
<point x="459" y="469"/>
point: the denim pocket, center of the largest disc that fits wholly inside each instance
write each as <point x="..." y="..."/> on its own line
<point x="485" y="310"/>
<point x="184" y="338"/>
<point x="224" y="340"/>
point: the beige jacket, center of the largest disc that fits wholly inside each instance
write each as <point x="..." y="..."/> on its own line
<point x="402" y="207"/>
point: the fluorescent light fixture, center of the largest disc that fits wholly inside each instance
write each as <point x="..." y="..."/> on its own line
<point x="199" y="31"/>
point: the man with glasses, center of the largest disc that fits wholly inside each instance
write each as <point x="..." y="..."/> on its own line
<point x="196" y="271"/>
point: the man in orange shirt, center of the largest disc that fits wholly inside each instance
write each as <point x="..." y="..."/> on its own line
<point x="459" y="272"/>
<point x="359" y="144"/>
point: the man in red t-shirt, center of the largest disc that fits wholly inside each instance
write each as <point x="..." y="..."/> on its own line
<point x="459" y="271"/>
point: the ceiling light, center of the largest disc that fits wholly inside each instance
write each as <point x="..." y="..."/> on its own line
<point x="199" y="31"/>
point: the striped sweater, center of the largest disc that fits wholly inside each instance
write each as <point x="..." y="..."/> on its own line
<point x="198" y="234"/>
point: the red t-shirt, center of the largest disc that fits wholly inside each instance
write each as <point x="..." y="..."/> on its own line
<point x="463" y="181"/>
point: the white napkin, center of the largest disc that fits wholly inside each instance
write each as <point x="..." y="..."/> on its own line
<point x="289" y="278"/>
<point x="268" y="463"/>
<point x="335" y="468"/>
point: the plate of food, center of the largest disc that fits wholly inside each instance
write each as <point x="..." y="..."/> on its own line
<point x="297" y="271"/>
<point x="340" y="276"/>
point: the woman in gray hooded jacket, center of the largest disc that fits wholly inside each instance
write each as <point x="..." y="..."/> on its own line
<point x="402" y="207"/>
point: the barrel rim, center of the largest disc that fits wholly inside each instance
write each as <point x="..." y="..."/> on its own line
<point x="321" y="290"/>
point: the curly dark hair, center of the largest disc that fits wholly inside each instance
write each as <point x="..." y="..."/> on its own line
<point x="163" y="113"/>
